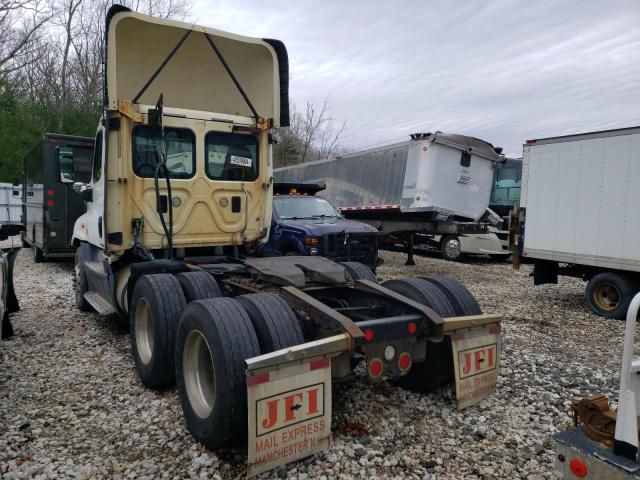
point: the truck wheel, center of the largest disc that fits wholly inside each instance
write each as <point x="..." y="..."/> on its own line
<point x="214" y="339"/>
<point x="451" y="248"/>
<point x="437" y="367"/>
<point x="358" y="271"/>
<point x="38" y="256"/>
<point x="156" y="305"/>
<point x="275" y="323"/>
<point x="608" y="294"/>
<point x="198" y="286"/>
<point x="80" y="287"/>
<point x="462" y="300"/>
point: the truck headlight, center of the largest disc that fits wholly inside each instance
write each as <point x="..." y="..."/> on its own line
<point x="313" y="251"/>
<point x="312" y="241"/>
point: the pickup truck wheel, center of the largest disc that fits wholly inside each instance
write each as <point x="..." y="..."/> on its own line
<point x="451" y="248"/>
<point x="275" y="323"/>
<point x="214" y="339"/>
<point x="608" y="294"/>
<point x="80" y="287"/>
<point x="156" y="305"/>
<point x="358" y="271"/>
<point x="437" y="367"/>
<point x="198" y="286"/>
<point x="462" y="300"/>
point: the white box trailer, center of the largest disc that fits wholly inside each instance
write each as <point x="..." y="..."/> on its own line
<point x="10" y="210"/>
<point x="434" y="184"/>
<point x="578" y="213"/>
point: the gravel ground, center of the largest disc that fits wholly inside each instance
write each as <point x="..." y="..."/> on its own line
<point x="71" y="405"/>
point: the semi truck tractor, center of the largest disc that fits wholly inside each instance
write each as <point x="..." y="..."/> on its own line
<point x="180" y="195"/>
<point x="578" y="214"/>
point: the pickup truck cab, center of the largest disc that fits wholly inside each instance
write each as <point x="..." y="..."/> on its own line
<point x="305" y="224"/>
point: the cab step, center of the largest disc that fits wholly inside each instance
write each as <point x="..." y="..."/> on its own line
<point x="102" y="306"/>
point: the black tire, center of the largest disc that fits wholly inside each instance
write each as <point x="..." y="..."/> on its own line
<point x="80" y="286"/>
<point x="38" y="256"/>
<point x="609" y="294"/>
<point x="437" y="368"/>
<point x="462" y="300"/>
<point x="275" y="323"/>
<point x="198" y="286"/>
<point x="221" y="327"/>
<point x="449" y="253"/>
<point x="358" y="271"/>
<point x="156" y="306"/>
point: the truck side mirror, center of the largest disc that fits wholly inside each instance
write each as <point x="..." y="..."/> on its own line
<point x="83" y="190"/>
<point x="65" y="164"/>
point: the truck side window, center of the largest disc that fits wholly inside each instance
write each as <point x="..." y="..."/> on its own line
<point x="465" y="159"/>
<point x="180" y="146"/>
<point x="97" y="158"/>
<point x="231" y="156"/>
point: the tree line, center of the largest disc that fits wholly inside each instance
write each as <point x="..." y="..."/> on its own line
<point x="51" y="75"/>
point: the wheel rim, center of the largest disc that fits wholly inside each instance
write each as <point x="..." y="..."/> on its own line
<point x="606" y="296"/>
<point x="144" y="331"/>
<point x="199" y="374"/>
<point x="452" y="248"/>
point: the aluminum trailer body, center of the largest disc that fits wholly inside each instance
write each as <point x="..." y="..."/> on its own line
<point x="433" y="177"/>
<point x="579" y="207"/>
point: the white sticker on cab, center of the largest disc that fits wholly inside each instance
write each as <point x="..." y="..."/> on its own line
<point x="240" y="161"/>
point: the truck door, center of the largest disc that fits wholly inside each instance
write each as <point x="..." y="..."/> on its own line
<point x="93" y="220"/>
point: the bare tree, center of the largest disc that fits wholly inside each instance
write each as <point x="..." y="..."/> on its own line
<point x="67" y="19"/>
<point x="312" y="135"/>
<point x="20" y="23"/>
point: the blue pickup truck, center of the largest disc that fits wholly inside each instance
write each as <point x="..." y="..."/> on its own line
<point x="304" y="224"/>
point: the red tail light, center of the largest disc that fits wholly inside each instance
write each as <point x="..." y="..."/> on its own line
<point x="50" y="203"/>
<point x="578" y="468"/>
<point x="412" y="328"/>
<point x="375" y="367"/>
<point x="51" y="191"/>
<point x="369" y="334"/>
<point x="404" y="361"/>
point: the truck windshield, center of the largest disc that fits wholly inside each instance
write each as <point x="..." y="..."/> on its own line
<point x="506" y="184"/>
<point x="304" y="207"/>
<point x="180" y="146"/>
<point x="231" y="156"/>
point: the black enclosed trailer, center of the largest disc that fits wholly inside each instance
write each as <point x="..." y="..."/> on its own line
<point x="49" y="206"/>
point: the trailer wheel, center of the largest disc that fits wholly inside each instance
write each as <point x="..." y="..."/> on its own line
<point x="80" y="286"/>
<point x="608" y="294"/>
<point x="198" y="286"/>
<point x="214" y="339"/>
<point x="437" y="367"/>
<point x="451" y="248"/>
<point x="462" y="300"/>
<point x="156" y="305"/>
<point x="275" y="323"/>
<point x="358" y="271"/>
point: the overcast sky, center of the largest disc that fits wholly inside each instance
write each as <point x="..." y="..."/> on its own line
<point x="501" y="70"/>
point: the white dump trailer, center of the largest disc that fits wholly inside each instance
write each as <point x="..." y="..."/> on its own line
<point x="437" y="184"/>
<point x="579" y="214"/>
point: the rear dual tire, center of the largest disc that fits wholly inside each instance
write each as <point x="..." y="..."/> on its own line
<point x="609" y="294"/>
<point x="448" y="298"/>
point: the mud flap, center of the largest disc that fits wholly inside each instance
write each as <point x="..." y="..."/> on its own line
<point x="9" y="301"/>
<point x="476" y="358"/>
<point x="289" y="403"/>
